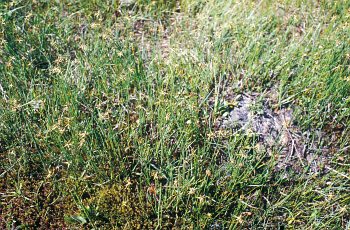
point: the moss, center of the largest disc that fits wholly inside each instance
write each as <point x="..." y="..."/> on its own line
<point x="120" y="206"/>
<point x="38" y="206"/>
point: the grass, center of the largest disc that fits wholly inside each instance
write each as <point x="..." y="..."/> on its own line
<point x="107" y="114"/>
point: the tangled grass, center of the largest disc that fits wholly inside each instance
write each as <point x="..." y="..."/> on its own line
<point x="109" y="113"/>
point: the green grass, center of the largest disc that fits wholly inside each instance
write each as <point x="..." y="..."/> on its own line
<point x="103" y="128"/>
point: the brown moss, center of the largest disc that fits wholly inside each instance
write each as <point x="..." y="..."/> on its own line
<point x="37" y="206"/>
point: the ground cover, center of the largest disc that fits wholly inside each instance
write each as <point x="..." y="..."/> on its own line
<point x="174" y="114"/>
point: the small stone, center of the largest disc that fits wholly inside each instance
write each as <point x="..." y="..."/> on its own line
<point x="284" y="140"/>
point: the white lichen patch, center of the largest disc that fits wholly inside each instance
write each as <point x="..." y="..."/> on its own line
<point x="276" y="131"/>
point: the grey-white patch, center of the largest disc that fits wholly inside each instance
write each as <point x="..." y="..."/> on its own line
<point x="275" y="130"/>
<point x="127" y="3"/>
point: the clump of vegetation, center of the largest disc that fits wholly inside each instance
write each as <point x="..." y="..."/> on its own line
<point x="119" y="206"/>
